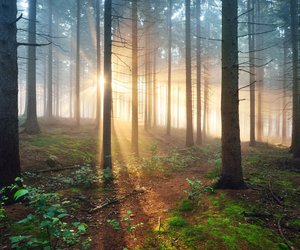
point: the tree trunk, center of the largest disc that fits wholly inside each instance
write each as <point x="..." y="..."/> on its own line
<point x="295" y="148"/>
<point x="135" y="118"/>
<point x="188" y="64"/>
<point x="284" y="103"/>
<point x="251" y="43"/>
<point x="169" y="67"/>
<point x="199" y="106"/>
<point x="232" y="174"/>
<point x="259" y="73"/>
<point x="107" y="104"/>
<point x="31" y="124"/>
<point x="77" y="87"/>
<point x="98" y="37"/>
<point x="50" y="58"/>
<point x="9" y="136"/>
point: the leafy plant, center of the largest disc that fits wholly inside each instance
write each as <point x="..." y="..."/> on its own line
<point x="50" y="222"/>
<point x="197" y="189"/>
<point x="127" y="221"/>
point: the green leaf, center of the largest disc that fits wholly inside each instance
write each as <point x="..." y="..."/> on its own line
<point x="20" y="193"/>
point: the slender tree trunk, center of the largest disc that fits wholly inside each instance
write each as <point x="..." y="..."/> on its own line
<point x="57" y="88"/>
<point x="232" y="174"/>
<point x="154" y="90"/>
<point x="31" y="124"/>
<point x="259" y="73"/>
<point x="284" y="103"/>
<point x="251" y="43"/>
<point x="135" y="118"/>
<point x="199" y="106"/>
<point x="169" y="108"/>
<point x="295" y="148"/>
<point x="107" y="104"/>
<point x="98" y="37"/>
<point x="45" y="88"/>
<point x="77" y="87"/>
<point x="188" y="65"/>
<point x="9" y="136"/>
<point x="50" y="58"/>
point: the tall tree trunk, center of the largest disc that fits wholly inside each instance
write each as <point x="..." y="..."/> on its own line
<point x="45" y="87"/>
<point x="259" y="72"/>
<point x="295" y="148"/>
<point x="154" y="92"/>
<point x="98" y="37"/>
<point x="251" y="43"/>
<point x="135" y="118"/>
<point x="50" y="58"/>
<point x="31" y="124"/>
<point x="57" y="87"/>
<point x="199" y="106"/>
<point x="188" y="65"/>
<point x="284" y="83"/>
<point x="77" y="87"/>
<point x="107" y="102"/>
<point x="147" y="68"/>
<point x="232" y="174"/>
<point x="169" y="108"/>
<point x="9" y="136"/>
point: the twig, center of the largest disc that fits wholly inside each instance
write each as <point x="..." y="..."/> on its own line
<point x="54" y="169"/>
<point x="159" y="224"/>
<point x="113" y="201"/>
<point x="281" y="233"/>
<point x="278" y="201"/>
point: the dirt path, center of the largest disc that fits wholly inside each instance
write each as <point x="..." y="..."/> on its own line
<point x="154" y="201"/>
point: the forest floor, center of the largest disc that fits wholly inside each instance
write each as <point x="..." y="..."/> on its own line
<point x="164" y="198"/>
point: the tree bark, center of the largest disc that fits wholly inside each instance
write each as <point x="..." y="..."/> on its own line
<point x="295" y="148"/>
<point x="251" y="43"/>
<point x="50" y="58"/>
<point x="98" y="37"/>
<point x="107" y="102"/>
<point x="31" y="124"/>
<point x="232" y="174"/>
<point x="9" y="136"/>
<point x="199" y="106"/>
<point x="135" y="120"/>
<point x="169" y="67"/>
<point x="77" y="86"/>
<point x="188" y="64"/>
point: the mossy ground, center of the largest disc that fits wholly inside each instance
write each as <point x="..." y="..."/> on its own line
<point x="239" y="220"/>
<point x="219" y="220"/>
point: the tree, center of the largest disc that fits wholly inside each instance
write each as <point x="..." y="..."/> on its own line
<point x="9" y="136"/>
<point x="188" y="65"/>
<point x="107" y="102"/>
<point x="198" y="26"/>
<point x="295" y="147"/>
<point x="169" y="66"/>
<point x="232" y="174"/>
<point x="135" y="120"/>
<point x="31" y="124"/>
<point x="77" y="86"/>
<point x="50" y="61"/>
<point x="98" y="44"/>
<point x="251" y="45"/>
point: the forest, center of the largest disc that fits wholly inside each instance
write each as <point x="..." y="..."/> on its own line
<point x="149" y="125"/>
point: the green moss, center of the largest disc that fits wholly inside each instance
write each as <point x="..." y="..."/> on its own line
<point x="295" y="223"/>
<point x="177" y="222"/>
<point x="185" y="206"/>
<point x="47" y="140"/>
